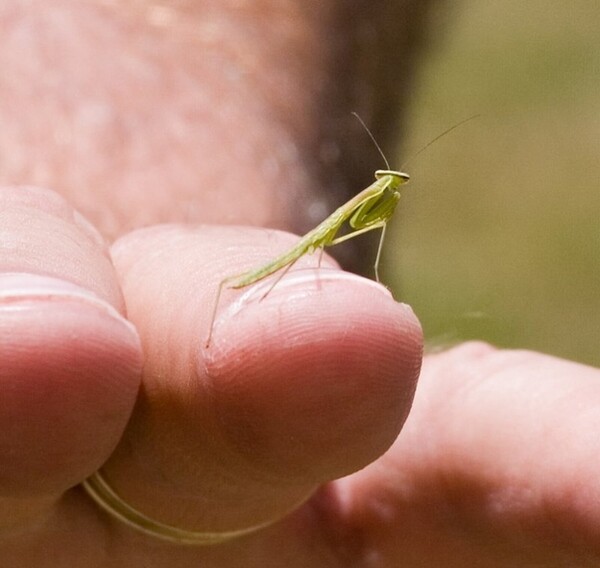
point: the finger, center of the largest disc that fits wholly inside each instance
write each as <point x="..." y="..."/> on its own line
<point x="311" y="383"/>
<point x="70" y="362"/>
<point x="497" y="461"/>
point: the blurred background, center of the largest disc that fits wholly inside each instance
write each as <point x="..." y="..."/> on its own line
<point x="498" y="234"/>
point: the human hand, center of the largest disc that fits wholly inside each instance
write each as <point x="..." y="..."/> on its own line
<point x="238" y="435"/>
<point x="307" y="386"/>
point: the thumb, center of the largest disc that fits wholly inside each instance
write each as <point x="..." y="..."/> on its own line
<point x="308" y="385"/>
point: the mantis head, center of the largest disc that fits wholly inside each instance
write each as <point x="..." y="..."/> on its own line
<point x="398" y="177"/>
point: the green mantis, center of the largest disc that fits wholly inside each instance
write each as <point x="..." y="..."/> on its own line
<point x="367" y="211"/>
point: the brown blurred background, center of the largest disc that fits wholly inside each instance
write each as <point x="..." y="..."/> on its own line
<point x="498" y="234"/>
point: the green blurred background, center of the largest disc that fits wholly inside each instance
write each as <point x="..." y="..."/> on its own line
<point x="498" y="234"/>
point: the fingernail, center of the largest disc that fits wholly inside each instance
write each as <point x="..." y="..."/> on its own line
<point x="18" y="288"/>
<point x="298" y="284"/>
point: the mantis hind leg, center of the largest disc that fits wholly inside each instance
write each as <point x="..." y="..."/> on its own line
<point x="286" y="270"/>
<point x="321" y="251"/>
<point x="278" y="279"/>
<point x="215" y="308"/>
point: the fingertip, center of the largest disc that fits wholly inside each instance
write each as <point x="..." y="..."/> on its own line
<point x="328" y="359"/>
<point x="44" y="235"/>
<point x="70" y="361"/>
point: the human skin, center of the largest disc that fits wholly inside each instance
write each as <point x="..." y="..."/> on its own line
<point x="117" y="108"/>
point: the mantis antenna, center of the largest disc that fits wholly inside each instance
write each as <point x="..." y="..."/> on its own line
<point x="447" y="131"/>
<point x="372" y="138"/>
<point x="441" y="135"/>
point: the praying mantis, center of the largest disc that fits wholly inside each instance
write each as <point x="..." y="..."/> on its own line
<point x="369" y="210"/>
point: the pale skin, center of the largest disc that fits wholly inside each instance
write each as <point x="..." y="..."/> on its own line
<point x="497" y="463"/>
